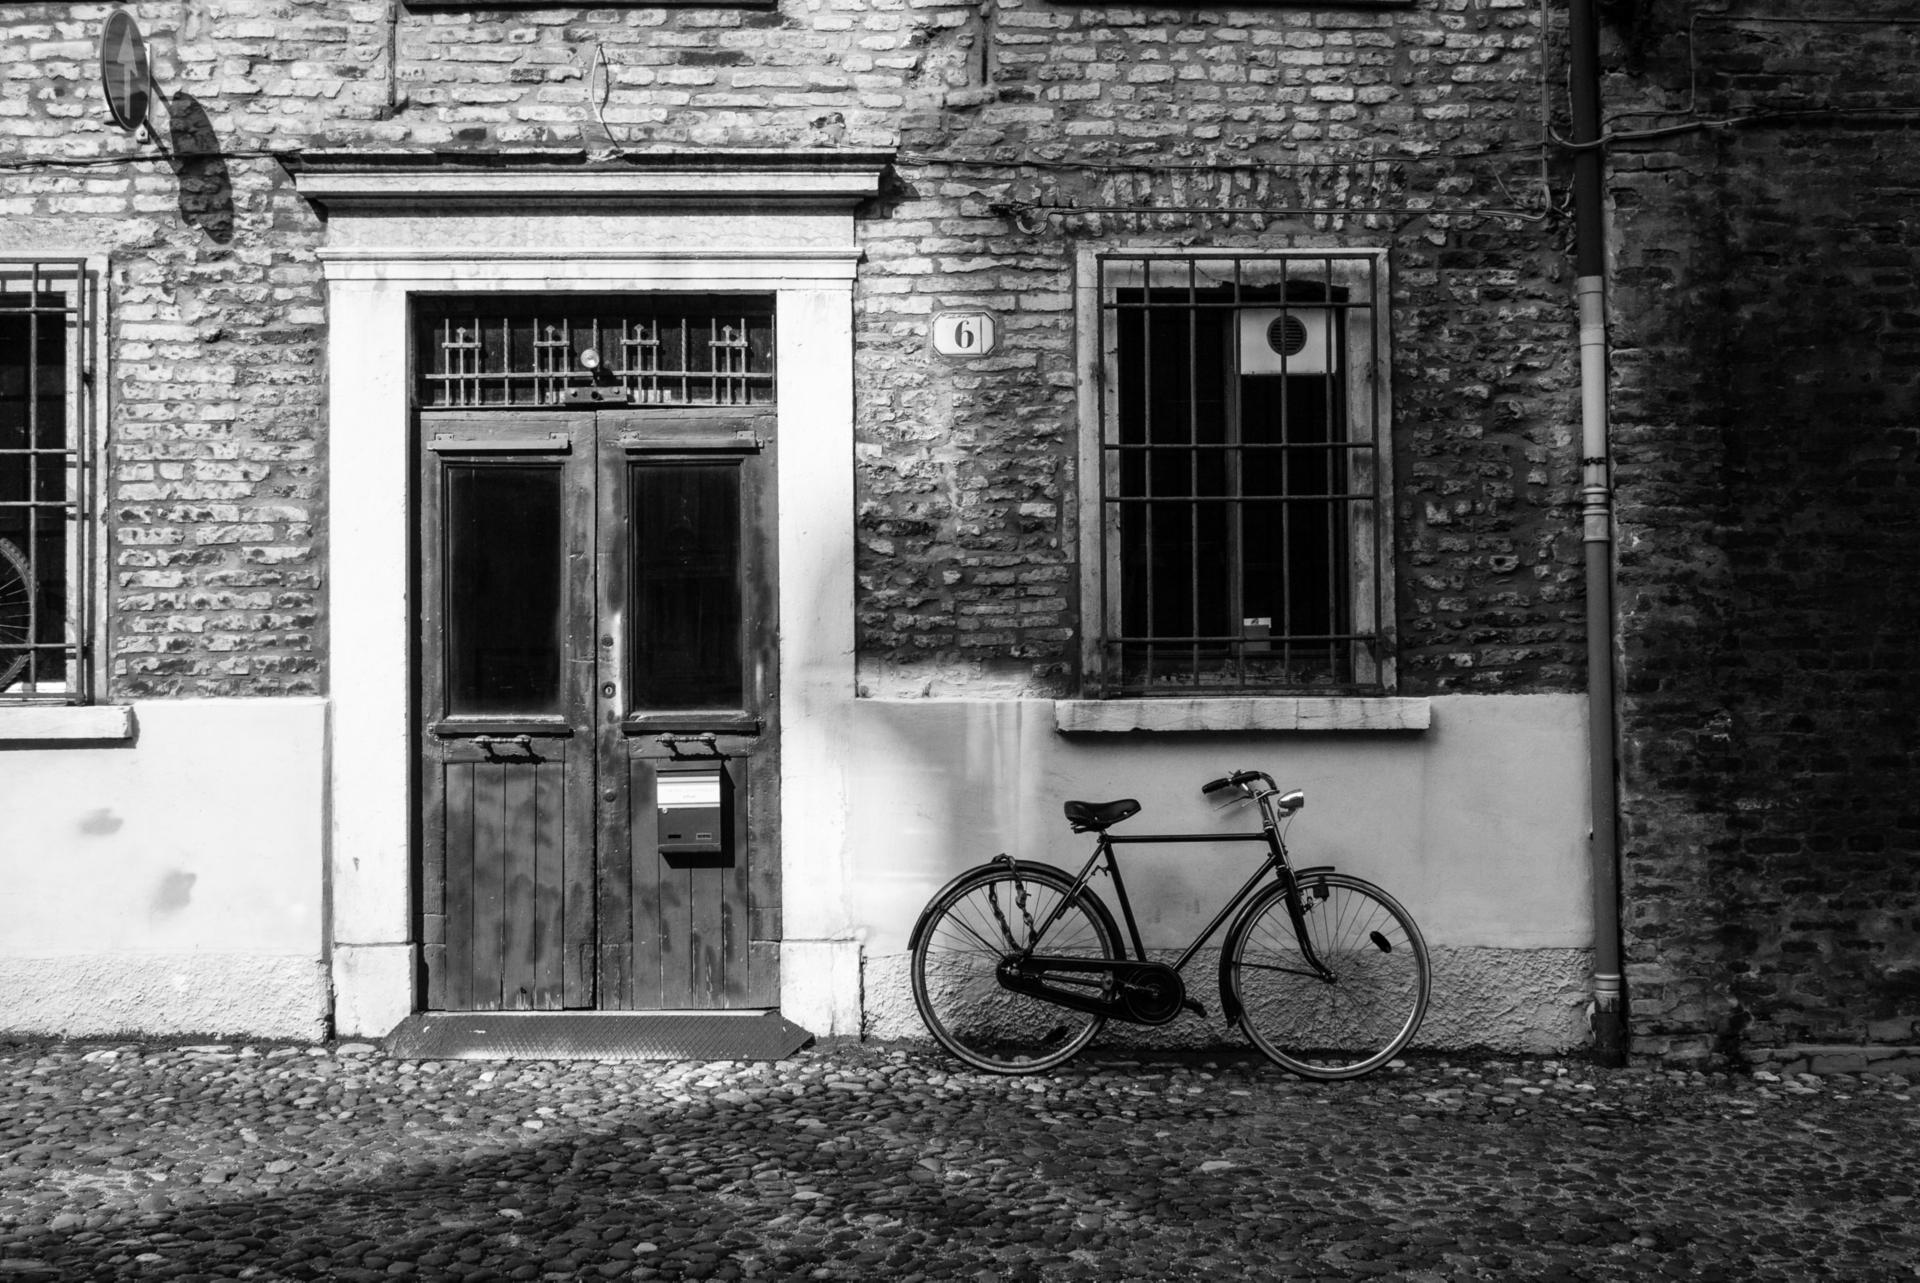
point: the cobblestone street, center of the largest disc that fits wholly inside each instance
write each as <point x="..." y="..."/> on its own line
<point x="864" y="1162"/>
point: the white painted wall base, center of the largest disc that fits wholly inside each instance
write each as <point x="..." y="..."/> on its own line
<point x="820" y="986"/>
<point x="1518" y="1001"/>
<point x="216" y="994"/>
<point x="372" y="988"/>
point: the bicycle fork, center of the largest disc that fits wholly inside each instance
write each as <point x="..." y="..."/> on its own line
<point x="1297" y="912"/>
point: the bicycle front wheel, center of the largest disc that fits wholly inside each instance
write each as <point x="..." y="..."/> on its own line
<point x="958" y="945"/>
<point x="1362" y="1010"/>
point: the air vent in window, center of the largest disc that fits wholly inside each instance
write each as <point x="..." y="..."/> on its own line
<point x="1294" y="340"/>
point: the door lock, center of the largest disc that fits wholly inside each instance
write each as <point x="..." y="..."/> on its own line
<point x="607" y="690"/>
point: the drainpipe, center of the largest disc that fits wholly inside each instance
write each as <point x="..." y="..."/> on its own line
<point x="1596" y="494"/>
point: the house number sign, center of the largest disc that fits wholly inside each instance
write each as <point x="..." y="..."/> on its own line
<point x="964" y="333"/>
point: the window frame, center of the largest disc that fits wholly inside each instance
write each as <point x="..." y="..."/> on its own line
<point x="82" y="656"/>
<point x="1365" y="272"/>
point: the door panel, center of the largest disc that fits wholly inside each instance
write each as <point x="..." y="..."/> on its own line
<point x="693" y="919"/>
<point x="597" y="615"/>
<point x="506" y="751"/>
<point x="687" y="592"/>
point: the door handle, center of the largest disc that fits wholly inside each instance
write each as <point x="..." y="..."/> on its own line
<point x="489" y="744"/>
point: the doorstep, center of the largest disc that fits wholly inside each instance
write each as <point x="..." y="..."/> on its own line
<point x="595" y="1035"/>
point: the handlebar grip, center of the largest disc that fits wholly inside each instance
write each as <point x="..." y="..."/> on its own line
<point x="1214" y="786"/>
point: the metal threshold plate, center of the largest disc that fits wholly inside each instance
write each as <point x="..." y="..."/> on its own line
<point x="596" y="1035"/>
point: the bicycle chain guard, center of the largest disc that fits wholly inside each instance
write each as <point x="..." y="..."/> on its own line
<point x="1143" y="993"/>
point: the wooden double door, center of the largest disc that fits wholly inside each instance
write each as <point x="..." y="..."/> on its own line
<point x="598" y="745"/>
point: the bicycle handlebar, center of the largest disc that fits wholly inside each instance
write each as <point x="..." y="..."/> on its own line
<point x="1236" y="778"/>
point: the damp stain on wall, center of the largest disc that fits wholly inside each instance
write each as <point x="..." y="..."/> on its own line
<point x="175" y="890"/>
<point x="100" y="823"/>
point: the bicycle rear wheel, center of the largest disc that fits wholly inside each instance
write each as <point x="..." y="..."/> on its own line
<point x="959" y="942"/>
<point x="1340" y="1026"/>
<point x="16" y="610"/>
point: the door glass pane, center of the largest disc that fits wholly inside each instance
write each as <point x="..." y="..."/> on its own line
<point x="505" y="576"/>
<point x="686" y="586"/>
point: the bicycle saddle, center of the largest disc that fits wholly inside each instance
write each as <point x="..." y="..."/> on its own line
<point x="1096" y="816"/>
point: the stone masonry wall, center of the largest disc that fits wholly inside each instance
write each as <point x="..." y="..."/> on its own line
<point x="1767" y="369"/>
<point x="1328" y="128"/>
<point x="215" y="501"/>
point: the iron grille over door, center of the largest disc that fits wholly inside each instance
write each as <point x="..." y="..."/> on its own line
<point x="649" y="349"/>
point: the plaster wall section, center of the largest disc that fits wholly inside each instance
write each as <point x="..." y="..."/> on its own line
<point x="172" y="884"/>
<point x="1477" y="826"/>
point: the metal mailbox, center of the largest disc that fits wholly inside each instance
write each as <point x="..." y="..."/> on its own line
<point x="693" y="806"/>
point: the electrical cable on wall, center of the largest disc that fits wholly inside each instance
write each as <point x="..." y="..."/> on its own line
<point x="602" y="66"/>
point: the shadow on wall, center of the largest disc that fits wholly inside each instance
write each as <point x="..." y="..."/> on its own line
<point x="206" y="188"/>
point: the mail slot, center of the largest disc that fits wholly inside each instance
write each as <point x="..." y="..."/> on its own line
<point x="693" y="806"/>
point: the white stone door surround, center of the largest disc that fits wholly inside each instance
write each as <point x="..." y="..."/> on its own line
<point x="779" y="224"/>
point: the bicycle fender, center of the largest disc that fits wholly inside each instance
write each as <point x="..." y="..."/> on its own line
<point x="1229" y="1007"/>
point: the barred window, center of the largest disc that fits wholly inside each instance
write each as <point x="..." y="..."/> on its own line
<point x="1241" y="464"/>
<point x="45" y="479"/>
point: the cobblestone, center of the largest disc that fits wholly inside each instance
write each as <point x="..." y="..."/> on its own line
<point x="858" y="1161"/>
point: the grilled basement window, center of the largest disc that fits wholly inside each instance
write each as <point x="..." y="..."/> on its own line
<point x="45" y="480"/>
<point x="1241" y="463"/>
<point x="505" y="351"/>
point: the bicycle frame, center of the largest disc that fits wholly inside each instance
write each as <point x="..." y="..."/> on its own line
<point x="1275" y="863"/>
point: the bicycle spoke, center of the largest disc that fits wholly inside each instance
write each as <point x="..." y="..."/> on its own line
<point x="1285" y="971"/>
<point x="986" y="945"/>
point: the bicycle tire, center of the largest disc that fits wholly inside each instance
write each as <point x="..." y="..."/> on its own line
<point x="16" y="612"/>
<point x="1328" y="1029"/>
<point x="958" y="943"/>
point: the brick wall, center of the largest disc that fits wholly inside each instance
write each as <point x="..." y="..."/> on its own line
<point x="1765" y="419"/>
<point x="967" y="565"/>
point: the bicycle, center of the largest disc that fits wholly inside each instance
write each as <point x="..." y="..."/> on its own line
<point x="1016" y="965"/>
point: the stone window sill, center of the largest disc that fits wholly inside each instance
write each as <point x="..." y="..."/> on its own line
<point x="1243" y="713"/>
<point x="47" y="723"/>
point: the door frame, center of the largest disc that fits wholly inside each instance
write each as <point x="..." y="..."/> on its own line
<point x="776" y="225"/>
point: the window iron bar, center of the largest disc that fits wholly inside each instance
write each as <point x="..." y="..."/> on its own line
<point x="1203" y="500"/>
<point x="1193" y="459"/>
<point x="1232" y="639"/>
<point x="1250" y="447"/>
<point x="1241" y="305"/>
